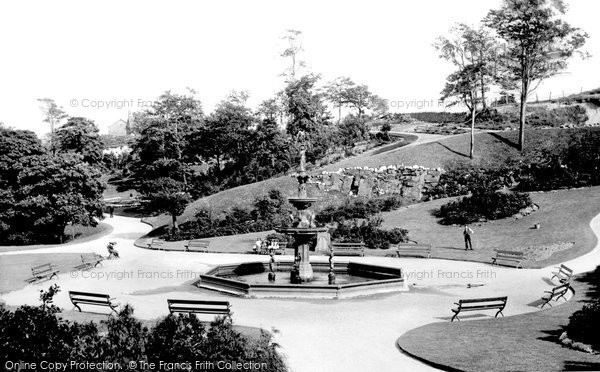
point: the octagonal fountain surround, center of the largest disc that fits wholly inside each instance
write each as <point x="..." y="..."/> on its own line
<point x="296" y="278"/>
<point x="353" y="279"/>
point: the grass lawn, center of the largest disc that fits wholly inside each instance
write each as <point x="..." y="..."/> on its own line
<point x="527" y="342"/>
<point x="15" y="269"/>
<point x="80" y="234"/>
<point x="564" y="216"/>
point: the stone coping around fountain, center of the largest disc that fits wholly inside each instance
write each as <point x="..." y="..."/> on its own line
<point x="378" y="279"/>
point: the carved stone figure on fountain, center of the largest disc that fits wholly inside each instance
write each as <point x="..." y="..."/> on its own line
<point x="331" y="275"/>
<point x="272" y="268"/>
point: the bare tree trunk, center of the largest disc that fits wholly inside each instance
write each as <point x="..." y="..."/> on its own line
<point x="175" y="227"/>
<point x="484" y="105"/>
<point x="524" y="89"/>
<point x="339" y="114"/>
<point x="472" y="149"/>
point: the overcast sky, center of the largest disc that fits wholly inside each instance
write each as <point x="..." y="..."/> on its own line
<point x="83" y="53"/>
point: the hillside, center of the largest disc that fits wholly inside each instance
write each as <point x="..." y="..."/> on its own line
<point x="490" y="147"/>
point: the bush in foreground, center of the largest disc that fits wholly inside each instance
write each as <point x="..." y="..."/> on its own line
<point x="584" y="324"/>
<point x="35" y="334"/>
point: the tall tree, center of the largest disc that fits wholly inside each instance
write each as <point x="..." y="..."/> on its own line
<point x="334" y="91"/>
<point x="462" y="86"/>
<point x="165" y="127"/>
<point x="41" y="193"/>
<point x="166" y="195"/>
<point x="360" y="98"/>
<point x="292" y="52"/>
<point x="53" y="115"/>
<point x="305" y="106"/>
<point x="538" y="45"/>
<point x="81" y="136"/>
<point x="467" y="46"/>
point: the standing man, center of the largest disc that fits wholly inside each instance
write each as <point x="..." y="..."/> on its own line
<point x="467" y="232"/>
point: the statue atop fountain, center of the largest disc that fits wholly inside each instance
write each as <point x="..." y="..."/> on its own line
<point x="303" y="227"/>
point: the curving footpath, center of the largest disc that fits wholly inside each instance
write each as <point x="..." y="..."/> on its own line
<point x="317" y="335"/>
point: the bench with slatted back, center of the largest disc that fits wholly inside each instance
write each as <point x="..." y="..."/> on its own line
<point x="563" y="274"/>
<point x="42" y="272"/>
<point x="197" y="245"/>
<point x="348" y="249"/>
<point x="516" y="257"/>
<point x="407" y="249"/>
<point x="89" y="298"/>
<point x="89" y="261"/>
<point x="555" y="294"/>
<point x="156" y="244"/>
<point x="199" y="307"/>
<point x="474" y="304"/>
<point x="280" y="248"/>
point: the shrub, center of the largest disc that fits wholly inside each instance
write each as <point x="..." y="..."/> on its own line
<point x="36" y="334"/>
<point x="359" y="208"/>
<point x="584" y="323"/>
<point x="368" y="232"/>
<point x="487" y="206"/>
<point x="462" y="179"/>
<point x="572" y="162"/>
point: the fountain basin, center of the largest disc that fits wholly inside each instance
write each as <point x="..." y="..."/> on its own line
<point x="352" y="280"/>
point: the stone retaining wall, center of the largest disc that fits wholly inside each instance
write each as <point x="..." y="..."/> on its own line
<point x="412" y="182"/>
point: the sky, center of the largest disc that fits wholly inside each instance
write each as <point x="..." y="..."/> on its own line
<point x="103" y="59"/>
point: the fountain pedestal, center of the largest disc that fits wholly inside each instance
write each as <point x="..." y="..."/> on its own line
<point x="302" y="272"/>
<point x="303" y="227"/>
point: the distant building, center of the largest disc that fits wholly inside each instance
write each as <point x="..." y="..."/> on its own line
<point x="119" y="128"/>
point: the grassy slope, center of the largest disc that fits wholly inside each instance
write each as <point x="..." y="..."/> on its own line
<point x="526" y="342"/>
<point x="564" y="216"/>
<point x="490" y="147"/>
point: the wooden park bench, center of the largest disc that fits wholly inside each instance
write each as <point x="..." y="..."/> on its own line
<point x="474" y="304"/>
<point x="199" y="307"/>
<point x="407" y="249"/>
<point x="510" y="256"/>
<point x="563" y="274"/>
<point x="276" y="247"/>
<point x="557" y="292"/>
<point x="89" y="261"/>
<point x="156" y="244"/>
<point x="90" y="298"/>
<point x="41" y="272"/>
<point x="348" y="249"/>
<point x="197" y="245"/>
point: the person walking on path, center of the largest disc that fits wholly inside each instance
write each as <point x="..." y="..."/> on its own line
<point x="467" y="232"/>
<point x="112" y="252"/>
<point x="111" y="211"/>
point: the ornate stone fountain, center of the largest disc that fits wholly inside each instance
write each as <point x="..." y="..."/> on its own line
<point x="344" y="279"/>
<point x="303" y="227"/>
